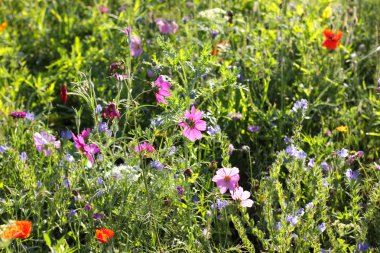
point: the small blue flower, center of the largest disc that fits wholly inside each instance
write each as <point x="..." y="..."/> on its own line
<point x="196" y="199"/>
<point x="220" y="204"/>
<point x="100" y="181"/>
<point x="180" y="191"/>
<point x="309" y="205"/>
<point x="39" y="184"/>
<point x="212" y="131"/>
<point x="69" y="158"/>
<point x="311" y="163"/>
<point x="278" y="225"/>
<point x="102" y="127"/>
<point x="231" y="149"/>
<point x="66" y="183"/>
<point x="300" y="155"/>
<point x="66" y="134"/>
<point x="325" y="183"/>
<point x="157" y="165"/>
<point x="325" y="166"/>
<point x="322" y="227"/>
<point x="342" y="153"/>
<point x="363" y="246"/>
<point x="214" y="34"/>
<point x="157" y="122"/>
<point x="286" y="139"/>
<point x="351" y="174"/>
<point x="71" y="213"/>
<point x="302" y="104"/>
<point x="292" y="219"/>
<point x="23" y="156"/>
<point x="98" y="109"/>
<point x="253" y="129"/>
<point x="29" y="116"/>
<point x="301" y="212"/>
<point x="3" y="148"/>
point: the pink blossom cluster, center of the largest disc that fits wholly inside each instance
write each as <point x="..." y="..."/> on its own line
<point x="228" y="179"/>
<point x="80" y="144"/>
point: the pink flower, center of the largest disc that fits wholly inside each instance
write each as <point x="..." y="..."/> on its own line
<point x="166" y="27"/>
<point x="81" y="145"/>
<point x="242" y="197"/>
<point x="128" y="30"/>
<point x="43" y="141"/>
<point x="18" y="115"/>
<point x="227" y="178"/>
<point x="111" y="112"/>
<point x="103" y="9"/>
<point x="145" y="147"/>
<point x="162" y="89"/>
<point x="193" y="125"/>
<point x="135" y="46"/>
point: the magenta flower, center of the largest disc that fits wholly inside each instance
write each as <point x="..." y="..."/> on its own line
<point x="128" y="30"/>
<point x="18" y="115"/>
<point x="145" y="147"/>
<point x="111" y="112"/>
<point x="166" y="27"/>
<point x="193" y="125"/>
<point x="135" y="46"/>
<point x="44" y="143"/>
<point x="242" y="197"/>
<point x="162" y="89"/>
<point x="227" y="178"/>
<point x="80" y="144"/>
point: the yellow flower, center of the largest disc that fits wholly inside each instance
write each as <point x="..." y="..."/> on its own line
<point x="3" y="26"/>
<point x="342" y="129"/>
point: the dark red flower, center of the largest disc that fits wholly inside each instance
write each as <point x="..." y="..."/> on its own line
<point x="63" y="93"/>
<point x="332" y="40"/>
<point x="111" y="112"/>
<point x="18" y="115"/>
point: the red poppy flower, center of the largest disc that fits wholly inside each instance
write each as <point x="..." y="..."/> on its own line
<point x="63" y="93"/>
<point x="104" y="235"/>
<point x="332" y="40"/>
<point x="19" y="229"/>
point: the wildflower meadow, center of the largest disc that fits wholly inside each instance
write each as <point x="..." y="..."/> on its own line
<point x="190" y="126"/>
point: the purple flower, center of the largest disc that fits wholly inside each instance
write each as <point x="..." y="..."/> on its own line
<point x="180" y="191"/>
<point x="44" y="143"/>
<point x="162" y="89"/>
<point x="324" y="182"/>
<point x="291" y="150"/>
<point x="98" y="216"/>
<point x="3" y="148"/>
<point x="235" y="115"/>
<point x="18" y="115"/>
<point x="102" y="127"/>
<point x="292" y="219"/>
<point x="300" y="155"/>
<point x="360" y="154"/>
<point x="23" y="156"/>
<point x="157" y="165"/>
<point x="342" y="153"/>
<point x="214" y="34"/>
<point x="66" y="183"/>
<point x="311" y="163"/>
<point x="66" y="134"/>
<point x="29" y="116"/>
<point x="71" y="213"/>
<point x="231" y="149"/>
<point x="69" y="158"/>
<point x="39" y="184"/>
<point x="351" y="174"/>
<point x="100" y="181"/>
<point x="111" y="112"/>
<point x="301" y="212"/>
<point x="172" y="151"/>
<point x="212" y="131"/>
<point x="322" y="227"/>
<point x="325" y="166"/>
<point x="220" y="204"/>
<point x="302" y="104"/>
<point x="135" y="46"/>
<point x="98" y="109"/>
<point x="166" y="27"/>
<point x="309" y="205"/>
<point x="286" y="139"/>
<point x="196" y="199"/>
<point x="87" y="207"/>
<point x="325" y="250"/>
<point x="278" y="225"/>
<point x="363" y="246"/>
<point x="128" y="30"/>
<point x="157" y="122"/>
<point x="253" y="129"/>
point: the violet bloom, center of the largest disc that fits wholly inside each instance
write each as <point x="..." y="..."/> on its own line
<point x="235" y="115"/>
<point x="98" y="216"/>
<point x="193" y="125"/>
<point x="135" y="46"/>
<point x="69" y="158"/>
<point x="102" y="127"/>
<point x="311" y="163"/>
<point x="325" y="166"/>
<point x="111" y="112"/>
<point x="18" y="115"/>
<point x="214" y="34"/>
<point x="71" y="213"/>
<point x="302" y="104"/>
<point x="87" y="207"/>
<point x="157" y="165"/>
<point x="213" y="130"/>
<point x="3" y="148"/>
<point x="180" y="191"/>
<point x="98" y="109"/>
<point x="145" y="147"/>
<point x="23" y="156"/>
<point x="322" y="227"/>
<point x="292" y="219"/>
<point x="351" y="174"/>
<point x="162" y="89"/>
<point x="128" y="30"/>
<point x="242" y="197"/>
<point x="253" y="129"/>
<point x="227" y="178"/>
<point x="220" y="204"/>
<point x="44" y="142"/>
<point x="342" y="153"/>
<point x="166" y="27"/>
<point x="363" y="246"/>
<point x="325" y="183"/>
<point x="29" y="116"/>
<point x="231" y="149"/>
<point x="66" y="134"/>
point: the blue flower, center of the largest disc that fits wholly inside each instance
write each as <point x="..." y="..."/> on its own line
<point x="322" y="227"/>
<point x="23" y="156"/>
<point x="103" y="127"/>
<point x="3" y="148"/>
<point x="253" y="129"/>
<point x="342" y="153"/>
<point x="292" y="219"/>
<point x="98" y="109"/>
<point x="311" y="163"/>
<point x="157" y="165"/>
<point x="363" y="246"/>
<point x="29" y="116"/>
<point x="220" y="204"/>
<point x="212" y="131"/>
<point x="351" y="174"/>
<point x="325" y="166"/>
<point x="69" y="158"/>
<point x="302" y="104"/>
<point x="66" y="134"/>
<point x="325" y="183"/>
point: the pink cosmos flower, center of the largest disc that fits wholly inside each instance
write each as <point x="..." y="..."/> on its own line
<point x="193" y="125"/>
<point x="135" y="46"/>
<point x="111" y="112"/>
<point x="162" y="89"/>
<point x="242" y="197"/>
<point x="227" y="178"/>
<point x="145" y="147"/>
<point x="166" y="27"/>
<point x="81" y="145"/>
<point x="44" y="141"/>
